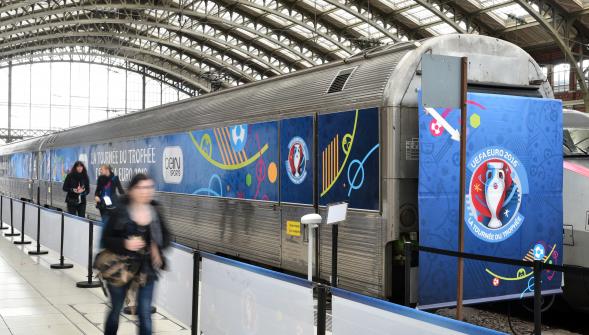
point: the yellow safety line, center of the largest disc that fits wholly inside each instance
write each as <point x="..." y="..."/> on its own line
<point x="228" y="166"/>
<point x="521" y="277"/>
<point x="345" y="159"/>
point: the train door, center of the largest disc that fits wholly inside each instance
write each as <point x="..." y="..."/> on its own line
<point x="45" y="177"/>
<point x="295" y="236"/>
<point x="35" y="164"/>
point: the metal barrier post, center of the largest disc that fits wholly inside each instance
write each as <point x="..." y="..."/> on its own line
<point x="321" y="309"/>
<point x="407" y="251"/>
<point x="334" y="233"/>
<point x="22" y="227"/>
<point x="61" y="264"/>
<point x="195" y="289"/>
<point x="2" y="226"/>
<point x="89" y="283"/>
<point x="38" y="251"/>
<point x="537" y="297"/>
<point x="12" y="233"/>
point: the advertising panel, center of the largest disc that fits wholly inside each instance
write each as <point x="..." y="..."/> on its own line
<point x="513" y="196"/>
<point x="349" y="158"/>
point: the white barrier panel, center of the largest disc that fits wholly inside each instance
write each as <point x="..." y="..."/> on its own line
<point x="17" y="214"/>
<point x="51" y="229"/>
<point x="355" y="314"/>
<point x="174" y="288"/>
<point x="31" y="221"/>
<point x="75" y="240"/>
<point x="238" y="298"/>
<point x="6" y="211"/>
<point x="97" y="235"/>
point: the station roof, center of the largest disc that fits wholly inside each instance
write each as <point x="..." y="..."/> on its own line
<point x="200" y="46"/>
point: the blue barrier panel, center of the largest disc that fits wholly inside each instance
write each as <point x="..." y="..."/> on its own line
<point x="238" y="298"/>
<point x="355" y="314"/>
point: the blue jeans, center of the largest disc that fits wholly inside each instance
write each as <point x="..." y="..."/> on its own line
<point x="117" y="297"/>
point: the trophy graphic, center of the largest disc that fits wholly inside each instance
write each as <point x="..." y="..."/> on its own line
<point x="494" y="192"/>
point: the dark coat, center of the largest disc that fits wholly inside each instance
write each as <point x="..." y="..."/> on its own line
<point x="115" y="230"/>
<point x="115" y="185"/>
<point x="72" y="181"/>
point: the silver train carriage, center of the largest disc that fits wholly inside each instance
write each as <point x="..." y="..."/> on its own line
<point x="576" y="205"/>
<point x="386" y="78"/>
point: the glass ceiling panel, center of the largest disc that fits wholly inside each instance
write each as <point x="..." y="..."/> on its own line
<point x="319" y="4"/>
<point x="442" y="29"/>
<point x="508" y="12"/>
<point x="345" y="16"/>
<point x="421" y="15"/>
<point x="399" y="4"/>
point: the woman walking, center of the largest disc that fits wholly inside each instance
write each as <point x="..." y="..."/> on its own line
<point x="77" y="186"/>
<point x="136" y="232"/>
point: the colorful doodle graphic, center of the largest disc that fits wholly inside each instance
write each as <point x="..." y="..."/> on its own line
<point x="348" y="142"/>
<point x="537" y="252"/>
<point x="240" y="161"/>
<point x="20" y="165"/>
<point x="511" y="142"/>
<point x="232" y="160"/>
<point x="62" y="161"/>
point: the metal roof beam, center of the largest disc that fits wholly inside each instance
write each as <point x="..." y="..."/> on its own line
<point x="83" y="34"/>
<point x="76" y="21"/>
<point x="141" y="56"/>
<point x="365" y="18"/>
<point x="441" y="13"/>
<point x="125" y="24"/>
<point x="289" y="18"/>
<point x="559" y="40"/>
<point x="211" y="18"/>
<point x="105" y="60"/>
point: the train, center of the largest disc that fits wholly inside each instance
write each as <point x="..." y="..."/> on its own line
<point x="575" y="205"/>
<point x="235" y="180"/>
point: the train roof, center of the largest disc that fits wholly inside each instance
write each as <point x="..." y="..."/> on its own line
<point x="574" y="119"/>
<point x="385" y="76"/>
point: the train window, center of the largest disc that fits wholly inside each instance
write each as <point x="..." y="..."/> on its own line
<point x="340" y="80"/>
<point x="575" y="141"/>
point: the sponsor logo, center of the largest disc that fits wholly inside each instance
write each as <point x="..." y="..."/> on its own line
<point x="173" y="165"/>
<point x="498" y="182"/>
<point x="298" y="157"/>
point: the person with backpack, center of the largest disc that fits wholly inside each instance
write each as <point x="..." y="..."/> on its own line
<point x="77" y="186"/>
<point x="107" y="186"/>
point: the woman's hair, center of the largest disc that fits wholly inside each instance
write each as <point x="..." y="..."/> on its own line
<point x="137" y="179"/>
<point x="108" y="167"/>
<point x="79" y="163"/>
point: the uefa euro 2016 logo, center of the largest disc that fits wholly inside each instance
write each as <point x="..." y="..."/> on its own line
<point x="498" y="182"/>
<point x="298" y="156"/>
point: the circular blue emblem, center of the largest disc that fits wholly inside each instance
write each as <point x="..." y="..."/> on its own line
<point x="497" y="183"/>
<point x="298" y="157"/>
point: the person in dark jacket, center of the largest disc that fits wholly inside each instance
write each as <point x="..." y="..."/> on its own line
<point x="105" y="195"/>
<point x="77" y="186"/>
<point x="136" y="229"/>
